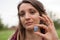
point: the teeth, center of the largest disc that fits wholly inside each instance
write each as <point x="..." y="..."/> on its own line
<point x="35" y="28"/>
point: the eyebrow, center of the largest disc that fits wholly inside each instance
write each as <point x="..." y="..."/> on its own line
<point x="29" y="9"/>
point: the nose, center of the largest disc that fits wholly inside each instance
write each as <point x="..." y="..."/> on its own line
<point x="27" y="16"/>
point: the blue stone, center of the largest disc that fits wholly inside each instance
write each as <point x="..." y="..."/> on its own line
<point x="35" y="28"/>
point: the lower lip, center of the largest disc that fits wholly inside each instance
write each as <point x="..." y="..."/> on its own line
<point x="28" y="24"/>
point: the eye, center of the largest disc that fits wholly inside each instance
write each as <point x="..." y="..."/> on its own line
<point x="22" y="13"/>
<point x="32" y="11"/>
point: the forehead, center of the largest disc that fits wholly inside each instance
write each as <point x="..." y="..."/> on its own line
<point x="26" y="6"/>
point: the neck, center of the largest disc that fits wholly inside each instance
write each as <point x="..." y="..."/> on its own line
<point x="29" y="32"/>
<point x="31" y="36"/>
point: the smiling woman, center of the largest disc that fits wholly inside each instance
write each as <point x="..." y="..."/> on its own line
<point x="34" y="24"/>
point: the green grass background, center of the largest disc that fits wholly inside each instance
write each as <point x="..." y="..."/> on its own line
<point x="5" y="34"/>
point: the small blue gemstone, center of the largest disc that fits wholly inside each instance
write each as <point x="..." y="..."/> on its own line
<point x="35" y="28"/>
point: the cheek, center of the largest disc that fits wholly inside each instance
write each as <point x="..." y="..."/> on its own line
<point x="22" y="20"/>
<point x="36" y="19"/>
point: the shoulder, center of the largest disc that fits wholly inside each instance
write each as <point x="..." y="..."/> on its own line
<point x="14" y="35"/>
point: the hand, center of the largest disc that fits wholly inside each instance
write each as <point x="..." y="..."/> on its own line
<point x="50" y="29"/>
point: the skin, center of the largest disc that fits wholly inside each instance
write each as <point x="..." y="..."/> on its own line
<point x="29" y="17"/>
<point x="28" y="14"/>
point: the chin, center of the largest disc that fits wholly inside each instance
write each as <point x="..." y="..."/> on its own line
<point x="30" y="27"/>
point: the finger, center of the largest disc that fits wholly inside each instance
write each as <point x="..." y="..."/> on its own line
<point x="44" y="17"/>
<point x="47" y="19"/>
<point x="42" y="21"/>
<point x="40" y="34"/>
<point x="50" y="19"/>
<point x="50" y="22"/>
<point x="41" y="18"/>
<point x="51" y="25"/>
<point x="43" y="27"/>
<point x="46" y="36"/>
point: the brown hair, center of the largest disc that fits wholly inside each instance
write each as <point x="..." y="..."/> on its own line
<point x="36" y="4"/>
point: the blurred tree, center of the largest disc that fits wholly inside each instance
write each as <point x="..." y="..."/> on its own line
<point x="56" y="21"/>
<point x="57" y="24"/>
<point x="1" y="24"/>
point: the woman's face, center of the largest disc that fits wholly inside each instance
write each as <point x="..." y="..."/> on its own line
<point x="29" y="16"/>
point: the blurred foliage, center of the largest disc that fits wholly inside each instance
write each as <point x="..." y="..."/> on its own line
<point x="2" y="26"/>
<point x="57" y="24"/>
<point x="56" y="21"/>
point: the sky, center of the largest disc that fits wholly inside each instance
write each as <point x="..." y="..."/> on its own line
<point x="8" y="10"/>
